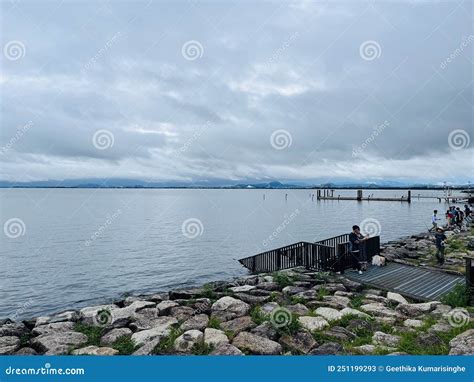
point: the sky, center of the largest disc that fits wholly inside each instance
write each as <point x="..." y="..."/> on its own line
<point x="194" y="91"/>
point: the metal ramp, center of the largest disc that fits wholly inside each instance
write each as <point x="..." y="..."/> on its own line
<point x="410" y="281"/>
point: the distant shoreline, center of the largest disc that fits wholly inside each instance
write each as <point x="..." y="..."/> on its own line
<point x="236" y="188"/>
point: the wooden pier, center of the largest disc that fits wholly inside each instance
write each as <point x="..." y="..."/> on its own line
<point x="327" y="194"/>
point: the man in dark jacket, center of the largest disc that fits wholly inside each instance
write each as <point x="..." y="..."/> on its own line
<point x="440" y="237"/>
<point x="355" y="238"/>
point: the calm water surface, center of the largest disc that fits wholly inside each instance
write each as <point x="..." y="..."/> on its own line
<point x="85" y="246"/>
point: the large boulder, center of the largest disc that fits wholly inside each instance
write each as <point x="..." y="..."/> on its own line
<point x="95" y="350"/>
<point x="57" y="343"/>
<point x="145" y="319"/>
<point x="298" y="309"/>
<point x="198" y="322"/>
<point x="353" y="312"/>
<point x="414" y="310"/>
<point x="164" y="307"/>
<point x="267" y="330"/>
<point x="71" y="315"/>
<point x="186" y="294"/>
<point x="215" y="337"/>
<point x="53" y="327"/>
<point x="16" y="329"/>
<point x="463" y="344"/>
<point x="329" y="348"/>
<point x="300" y="343"/>
<point x="313" y="323"/>
<point x="228" y="308"/>
<point x="162" y="329"/>
<point x="243" y="288"/>
<point x="182" y="313"/>
<point x="380" y="310"/>
<point x="185" y="342"/>
<point x="112" y="336"/>
<point x="384" y="339"/>
<point x="337" y="302"/>
<point x="329" y="314"/>
<point x="340" y="333"/>
<point x="226" y="349"/>
<point x="254" y="344"/>
<point x="396" y="298"/>
<point x="9" y="345"/>
<point x="239" y="324"/>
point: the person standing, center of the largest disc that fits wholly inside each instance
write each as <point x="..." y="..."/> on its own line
<point x="440" y="239"/>
<point x="355" y="238"/>
<point x="434" y="221"/>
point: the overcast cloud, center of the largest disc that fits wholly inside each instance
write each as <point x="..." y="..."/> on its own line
<point x="188" y="91"/>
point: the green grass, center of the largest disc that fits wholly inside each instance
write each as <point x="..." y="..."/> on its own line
<point x="274" y="296"/>
<point x="291" y="327"/>
<point x="124" y="345"/>
<point x="297" y="300"/>
<point x="458" y="297"/>
<point x="258" y="316"/>
<point x="214" y="323"/>
<point x="201" y="348"/>
<point x="166" y="344"/>
<point x="455" y="245"/>
<point x="93" y="333"/>
<point x="322" y="292"/>
<point x="24" y="339"/>
<point x="356" y="301"/>
<point x="208" y="292"/>
<point x="282" y="279"/>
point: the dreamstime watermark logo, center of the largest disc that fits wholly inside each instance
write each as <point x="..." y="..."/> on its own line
<point x="377" y="131"/>
<point x="370" y="227"/>
<point x="192" y="50"/>
<point x="459" y="139"/>
<point x="18" y="135"/>
<point x="14" y="50"/>
<point x="103" y="317"/>
<point x="286" y="221"/>
<point x="19" y="312"/>
<point x="100" y="231"/>
<point x="466" y="41"/>
<point x="192" y="228"/>
<point x="286" y="44"/>
<point x="195" y="137"/>
<point x="458" y="317"/>
<point x="370" y="50"/>
<point x="103" y="139"/>
<point x="281" y="139"/>
<point x="281" y="317"/>
<point x="14" y="228"/>
<point x="107" y="46"/>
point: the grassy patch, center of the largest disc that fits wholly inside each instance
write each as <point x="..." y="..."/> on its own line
<point x="25" y="339"/>
<point x="455" y="245"/>
<point x="202" y="348"/>
<point x="208" y="292"/>
<point x="214" y="323"/>
<point x="166" y="344"/>
<point x="356" y="301"/>
<point x="282" y="279"/>
<point x="274" y="296"/>
<point x="322" y="292"/>
<point x="258" y="316"/>
<point x="297" y="300"/>
<point x="292" y="326"/>
<point x="124" y="345"/>
<point x="458" y="297"/>
<point x="93" y="333"/>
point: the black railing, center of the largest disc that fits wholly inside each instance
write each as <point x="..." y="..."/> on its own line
<point x="324" y="255"/>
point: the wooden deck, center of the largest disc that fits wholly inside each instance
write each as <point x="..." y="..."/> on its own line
<point x="409" y="281"/>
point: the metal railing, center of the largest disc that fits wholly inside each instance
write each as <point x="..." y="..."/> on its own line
<point x="324" y="255"/>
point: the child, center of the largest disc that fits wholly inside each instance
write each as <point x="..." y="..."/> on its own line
<point x="434" y="220"/>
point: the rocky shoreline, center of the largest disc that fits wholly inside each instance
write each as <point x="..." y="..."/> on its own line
<point x="291" y="312"/>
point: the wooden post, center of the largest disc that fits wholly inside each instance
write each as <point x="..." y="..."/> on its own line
<point x="359" y="195"/>
<point x="409" y="196"/>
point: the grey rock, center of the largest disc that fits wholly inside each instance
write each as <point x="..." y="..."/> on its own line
<point x="428" y="340"/>
<point x="71" y="315"/>
<point x="462" y="344"/>
<point x="148" y="348"/>
<point x="291" y="290"/>
<point x="329" y="348"/>
<point x="164" y="307"/>
<point x="353" y="312"/>
<point x="228" y="308"/>
<point x="145" y="319"/>
<point x="357" y="325"/>
<point x="329" y="314"/>
<point x="239" y="324"/>
<point x="301" y="342"/>
<point x="380" y="310"/>
<point x="412" y="323"/>
<point x="182" y="313"/>
<point x="215" y="337"/>
<point x="313" y="323"/>
<point x="267" y="330"/>
<point x="57" y="343"/>
<point x="269" y="307"/>
<point x="256" y="345"/>
<point x="243" y="288"/>
<point x="26" y="351"/>
<point x="95" y="350"/>
<point x="268" y="286"/>
<point x="414" y="310"/>
<point x="185" y="342"/>
<point x="162" y="329"/>
<point x="336" y="302"/>
<point x="9" y="345"/>
<point x="384" y="339"/>
<point x="298" y="309"/>
<point x="16" y="329"/>
<point x="112" y="336"/>
<point x="186" y="293"/>
<point x="340" y="333"/>
<point x="198" y="322"/>
<point x="331" y="287"/>
<point x="53" y="327"/>
<point x="396" y="297"/>
<point x="352" y="286"/>
<point x="250" y="299"/>
<point x="226" y="349"/>
<point x="202" y="306"/>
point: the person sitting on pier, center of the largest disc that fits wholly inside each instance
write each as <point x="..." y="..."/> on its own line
<point x="467" y="213"/>
<point x="355" y="238"/>
<point x="440" y="238"/>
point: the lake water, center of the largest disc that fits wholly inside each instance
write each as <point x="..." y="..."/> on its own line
<point x="77" y="247"/>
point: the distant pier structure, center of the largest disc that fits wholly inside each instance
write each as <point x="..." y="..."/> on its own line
<point x="326" y="194"/>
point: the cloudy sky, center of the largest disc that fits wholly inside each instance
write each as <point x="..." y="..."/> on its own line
<point x="195" y="90"/>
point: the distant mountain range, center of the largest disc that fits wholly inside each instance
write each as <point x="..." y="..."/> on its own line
<point x="222" y="183"/>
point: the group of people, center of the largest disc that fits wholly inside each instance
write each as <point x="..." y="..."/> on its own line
<point x="455" y="218"/>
